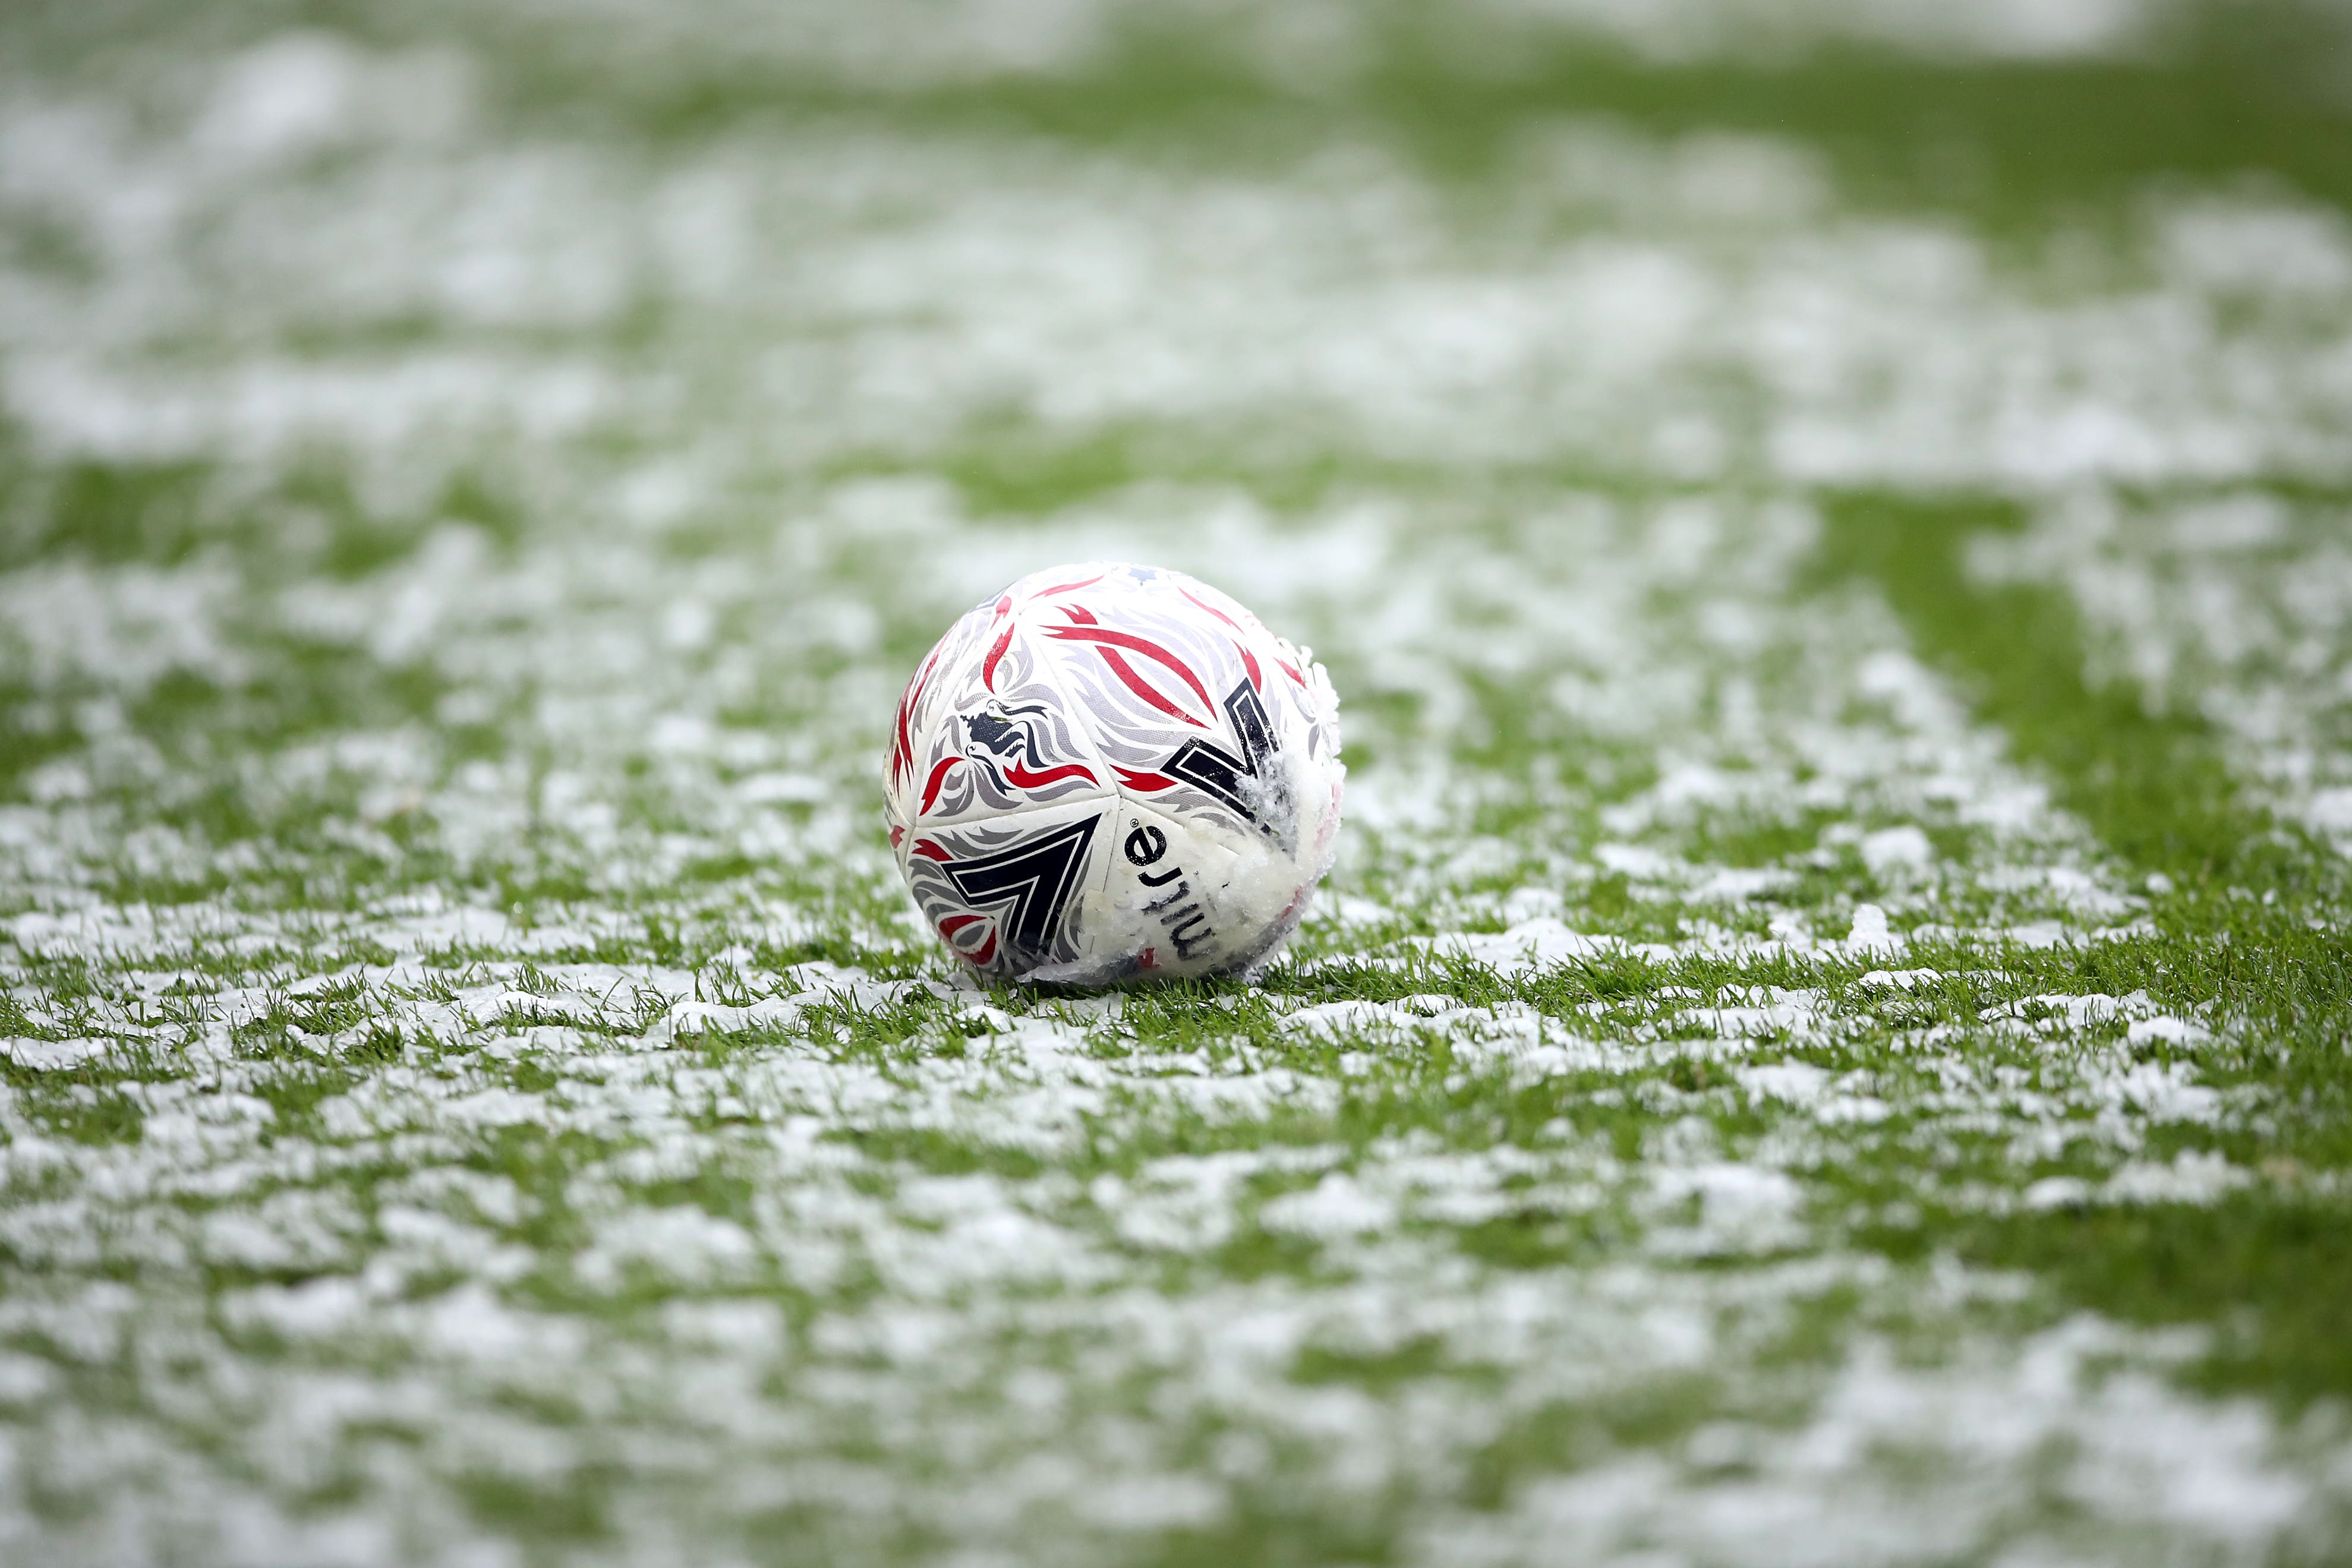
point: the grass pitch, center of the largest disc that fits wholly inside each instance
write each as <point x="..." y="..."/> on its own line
<point x="1831" y="1039"/>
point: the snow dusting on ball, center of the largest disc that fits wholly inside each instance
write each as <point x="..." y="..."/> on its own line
<point x="1110" y="772"/>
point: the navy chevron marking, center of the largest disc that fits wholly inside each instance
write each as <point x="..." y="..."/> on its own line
<point x="1029" y="883"/>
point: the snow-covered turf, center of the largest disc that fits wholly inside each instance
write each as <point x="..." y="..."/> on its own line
<point x="1828" y="1041"/>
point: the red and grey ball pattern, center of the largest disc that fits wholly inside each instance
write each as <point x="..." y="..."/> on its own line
<point x="1111" y="772"/>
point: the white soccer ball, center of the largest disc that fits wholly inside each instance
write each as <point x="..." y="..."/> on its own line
<point x="1110" y="772"/>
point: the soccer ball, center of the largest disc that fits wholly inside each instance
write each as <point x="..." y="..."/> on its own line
<point x="1108" y="772"/>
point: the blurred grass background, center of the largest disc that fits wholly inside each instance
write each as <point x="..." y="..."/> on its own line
<point x="2005" y="122"/>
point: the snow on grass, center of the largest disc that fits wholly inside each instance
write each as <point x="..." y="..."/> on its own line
<point x="472" y="1091"/>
